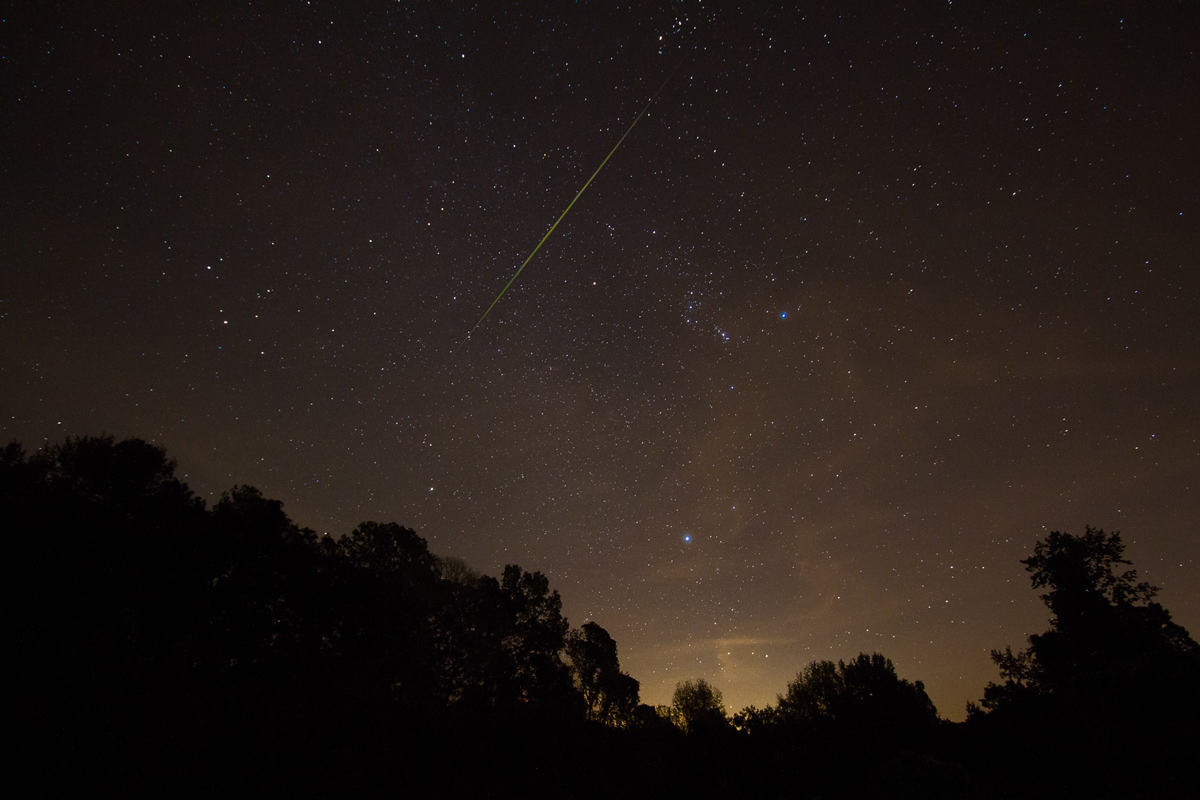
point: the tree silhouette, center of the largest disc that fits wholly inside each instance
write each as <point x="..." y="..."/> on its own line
<point x="1113" y="681"/>
<point x="860" y="697"/>
<point x="609" y="695"/>
<point x="105" y="581"/>
<point x="389" y="549"/>
<point x="535" y="639"/>
<point x="754" y="720"/>
<point x="501" y="643"/>
<point x="814" y="695"/>
<point x="104" y="556"/>
<point x="699" y="707"/>
<point x="1104" y="622"/>
<point x="593" y="655"/>
<point x="620" y="693"/>
<point x="153" y="631"/>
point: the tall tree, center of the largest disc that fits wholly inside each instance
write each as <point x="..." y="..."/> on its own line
<point x="593" y="655"/>
<point x="501" y="643"/>
<point x="609" y="695"/>
<point x="1104" y="622"/>
<point x="1112" y="682"/>
<point x="391" y="598"/>
<point x="536" y="638"/>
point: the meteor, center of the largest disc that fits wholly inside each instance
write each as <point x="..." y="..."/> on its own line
<point x="568" y="208"/>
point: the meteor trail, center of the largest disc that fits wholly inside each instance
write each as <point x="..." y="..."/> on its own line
<point x="568" y="208"/>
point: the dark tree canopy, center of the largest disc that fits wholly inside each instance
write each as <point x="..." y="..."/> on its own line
<point x="593" y="655"/>
<point x="387" y="549"/>
<point x="152" y="632"/>
<point x="609" y="695"/>
<point x="699" y="706"/>
<point x="1104" y="622"/>
<point x="863" y="693"/>
<point x="1111" y="688"/>
<point x="115" y="562"/>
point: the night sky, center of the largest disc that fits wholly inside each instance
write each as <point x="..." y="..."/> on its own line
<point x="869" y="301"/>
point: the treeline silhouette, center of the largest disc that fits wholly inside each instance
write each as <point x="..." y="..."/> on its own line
<point x="157" y="645"/>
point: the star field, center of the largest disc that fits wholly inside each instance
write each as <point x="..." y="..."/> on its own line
<point x="867" y="303"/>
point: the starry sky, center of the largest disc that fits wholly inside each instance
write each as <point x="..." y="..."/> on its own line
<point x="870" y="300"/>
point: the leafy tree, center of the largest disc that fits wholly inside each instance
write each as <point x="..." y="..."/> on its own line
<point x="593" y="655"/>
<point x="621" y="698"/>
<point x="390" y="596"/>
<point x="105" y="580"/>
<point x="657" y="720"/>
<point x="862" y="694"/>
<point x="814" y="695"/>
<point x="754" y="720"/>
<point x="389" y="549"/>
<point x="103" y="555"/>
<point x="609" y="695"/>
<point x="127" y="483"/>
<point x="1103" y="622"/>
<point x="501" y="643"/>
<point x="244" y="511"/>
<point x="699" y="707"/>
<point x="467" y="629"/>
<point x="535" y="640"/>
<point x="153" y="631"/>
<point x="1022" y="680"/>
<point x="877" y="696"/>
<point x="1112" y="682"/>
<point x="456" y="571"/>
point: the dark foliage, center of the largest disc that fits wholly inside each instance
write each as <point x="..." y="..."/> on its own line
<point x="1112" y="681"/>
<point x="699" y="707"/>
<point x="862" y="698"/>
<point x="157" y="636"/>
<point x="157" y="646"/>
<point x="856" y="729"/>
<point x="609" y="695"/>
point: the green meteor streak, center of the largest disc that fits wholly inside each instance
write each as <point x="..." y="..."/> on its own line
<point x="568" y="208"/>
